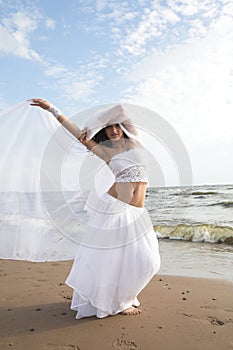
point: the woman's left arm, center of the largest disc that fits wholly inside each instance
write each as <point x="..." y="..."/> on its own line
<point x="100" y="150"/>
<point x="66" y="122"/>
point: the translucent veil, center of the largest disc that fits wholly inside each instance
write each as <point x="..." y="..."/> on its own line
<point x="47" y="178"/>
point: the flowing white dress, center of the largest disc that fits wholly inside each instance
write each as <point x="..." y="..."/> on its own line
<point x="108" y="276"/>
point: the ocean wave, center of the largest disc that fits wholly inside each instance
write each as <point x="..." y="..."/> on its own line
<point x="196" y="233"/>
<point x="13" y="220"/>
<point x="223" y="204"/>
<point x="200" y="193"/>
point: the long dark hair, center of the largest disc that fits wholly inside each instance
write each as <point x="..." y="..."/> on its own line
<point x="101" y="137"/>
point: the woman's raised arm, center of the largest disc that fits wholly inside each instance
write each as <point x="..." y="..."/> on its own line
<point x="99" y="150"/>
<point x="66" y="122"/>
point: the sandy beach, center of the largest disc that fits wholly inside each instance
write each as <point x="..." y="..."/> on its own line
<point x="177" y="313"/>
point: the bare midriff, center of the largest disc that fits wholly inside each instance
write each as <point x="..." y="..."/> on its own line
<point x="133" y="193"/>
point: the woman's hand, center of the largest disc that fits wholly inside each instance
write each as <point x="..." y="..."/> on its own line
<point x="83" y="137"/>
<point x="39" y="102"/>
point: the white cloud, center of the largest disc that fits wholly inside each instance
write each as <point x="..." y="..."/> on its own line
<point x="14" y="36"/>
<point x="158" y="23"/>
<point x="129" y="16"/>
<point x="148" y="28"/>
<point x="16" y="30"/>
<point x="55" y="71"/>
<point x="197" y="28"/>
<point x="21" y="22"/>
<point x="79" y="85"/>
<point x="186" y="7"/>
<point x="108" y="17"/>
<point x="196" y="74"/>
<point x="170" y="16"/>
<point x="50" y="23"/>
<point x="74" y="85"/>
<point x="191" y="85"/>
<point x="78" y="90"/>
<point x="100" y="5"/>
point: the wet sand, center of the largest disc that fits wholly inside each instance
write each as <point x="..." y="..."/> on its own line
<point x="177" y="313"/>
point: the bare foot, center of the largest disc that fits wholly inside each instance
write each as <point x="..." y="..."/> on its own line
<point x="131" y="311"/>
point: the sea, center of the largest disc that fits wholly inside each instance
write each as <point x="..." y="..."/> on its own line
<point x="194" y="225"/>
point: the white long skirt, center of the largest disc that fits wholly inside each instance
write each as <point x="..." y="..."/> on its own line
<point x="107" y="278"/>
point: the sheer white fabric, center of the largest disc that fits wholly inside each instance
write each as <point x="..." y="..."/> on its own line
<point x="117" y="114"/>
<point x="26" y="231"/>
<point x="48" y="180"/>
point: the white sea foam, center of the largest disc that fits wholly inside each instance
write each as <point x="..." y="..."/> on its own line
<point x="197" y="233"/>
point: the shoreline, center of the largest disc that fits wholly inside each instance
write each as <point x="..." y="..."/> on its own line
<point x="196" y="259"/>
<point x="185" y="313"/>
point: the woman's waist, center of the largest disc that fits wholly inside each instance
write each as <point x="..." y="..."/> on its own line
<point x="132" y="193"/>
<point x="129" y="187"/>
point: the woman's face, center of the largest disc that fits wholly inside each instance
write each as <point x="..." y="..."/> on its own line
<point x="114" y="132"/>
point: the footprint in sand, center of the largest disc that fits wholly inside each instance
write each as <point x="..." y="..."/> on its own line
<point x="208" y="307"/>
<point x="215" y="321"/>
<point x="2" y="273"/>
<point x="124" y="344"/>
<point x="61" y="347"/>
<point x="42" y="280"/>
<point x="188" y="315"/>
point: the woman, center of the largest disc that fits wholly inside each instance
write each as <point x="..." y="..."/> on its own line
<point x="108" y="276"/>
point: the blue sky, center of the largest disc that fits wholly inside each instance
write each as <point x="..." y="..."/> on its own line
<point x="174" y="57"/>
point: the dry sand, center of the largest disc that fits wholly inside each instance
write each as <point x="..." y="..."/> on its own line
<point x="177" y="313"/>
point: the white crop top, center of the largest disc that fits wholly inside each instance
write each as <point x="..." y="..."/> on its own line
<point x="128" y="166"/>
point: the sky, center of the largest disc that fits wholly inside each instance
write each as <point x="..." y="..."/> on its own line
<point x="173" y="57"/>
